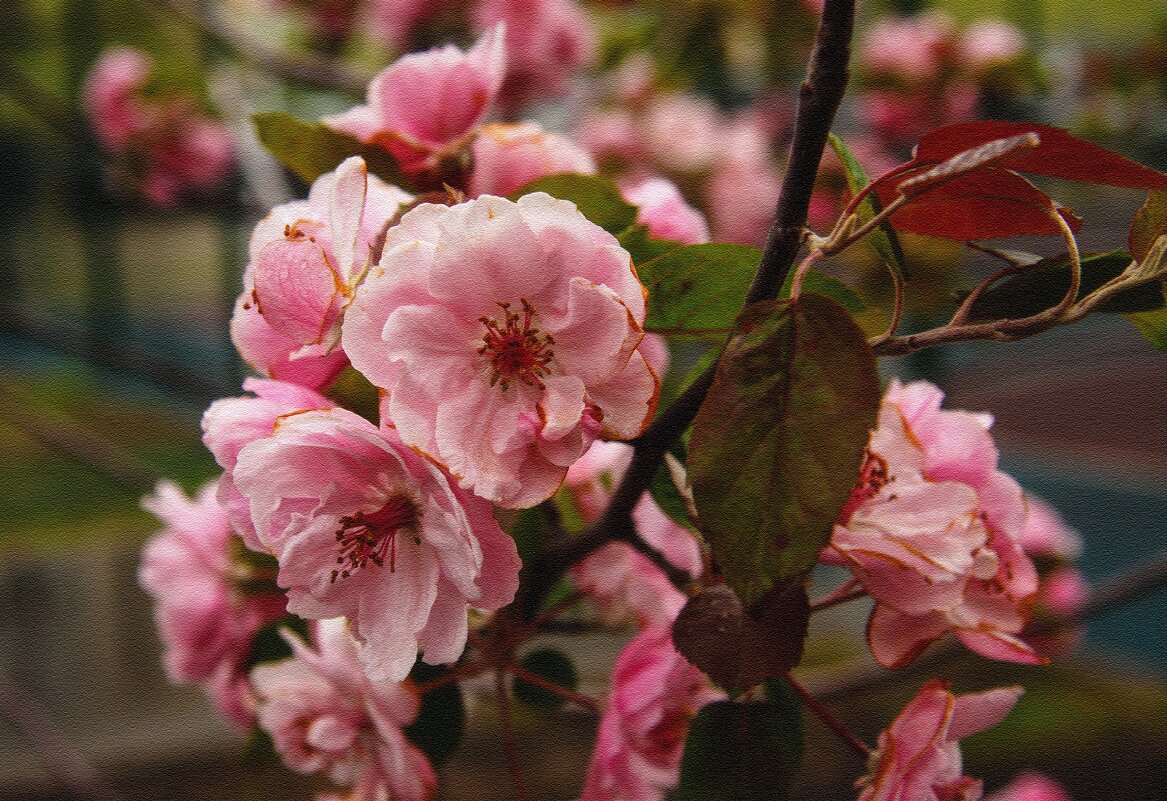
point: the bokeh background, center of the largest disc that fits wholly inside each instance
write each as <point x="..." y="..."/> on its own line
<point x="115" y="302"/>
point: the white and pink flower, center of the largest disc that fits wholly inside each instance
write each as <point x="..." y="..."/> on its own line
<point x="663" y="210"/>
<point x="933" y="530"/>
<point x="365" y="528"/>
<point x="424" y="106"/>
<point x="505" y="337"/>
<point x="918" y="756"/>
<point x="508" y="157"/>
<point x="325" y="716"/>
<point x="655" y="694"/>
<point x="205" y="623"/>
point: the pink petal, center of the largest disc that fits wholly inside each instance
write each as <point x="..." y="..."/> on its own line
<point x="975" y="712"/>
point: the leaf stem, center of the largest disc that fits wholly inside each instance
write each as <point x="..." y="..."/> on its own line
<point x="824" y="714"/>
<point x="579" y="699"/>
<point x="509" y="746"/>
<point x="850" y="591"/>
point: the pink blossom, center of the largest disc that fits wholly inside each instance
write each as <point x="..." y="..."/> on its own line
<point x="1030" y="787"/>
<point x="111" y="95"/>
<point x="365" y="528"/>
<point x="231" y="423"/>
<point x="990" y="42"/>
<point x="1046" y="534"/>
<point x="912" y="48"/>
<point x="741" y="198"/>
<point x="612" y="136"/>
<point x="547" y="42"/>
<point x="683" y="133"/>
<point x="505" y="337"/>
<point x="308" y="256"/>
<point x="206" y="625"/>
<point x="655" y="693"/>
<point x="268" y="352"/>
<point x="622" y="580"/>
<point x="662" y="209"/>
<point x="424" y="106"/>
<point x="325" y="716"/>
<point x="507" y="157"/>
<point x="918" y="757"/>
<point x="933" y="531"/>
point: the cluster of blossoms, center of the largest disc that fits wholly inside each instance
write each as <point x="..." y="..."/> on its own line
<point x="921" y="72"/>
<point x="506" y="342"/>
<point x="163" y="149"/>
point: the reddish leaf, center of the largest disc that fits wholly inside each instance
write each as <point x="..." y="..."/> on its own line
<point x="739" y="648"/>
<point x="1059" y="155"/>
<point x="987" y="204"/>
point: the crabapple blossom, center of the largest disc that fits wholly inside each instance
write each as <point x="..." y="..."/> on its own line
<point x="918" y="756"/>
<point x="365" y="528"/>
<point x="308" y="256"/>
<point x="932" y="530"/>
<point x="424" y="106"/>
<point x="1030" y="787"/>
<point x="622" y="580"/>
<point x="662" y="209"/>
<point x="507" y="157"/>
<point x="990" y="42"/>
<point x="911" y="48"/>
<point x="325" y="716"/>
<point x="505" y="337"/>
<point x="166" y="149"/>
<point x="230" y="423"/>
<point x="547" y="42"/>
<point x="655" y="693"/>
<point x="269" y="352"/>
<point x="206" y="624"/>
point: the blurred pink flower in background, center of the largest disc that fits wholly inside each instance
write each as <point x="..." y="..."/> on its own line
<point x="1030" y="787"/>
<point x="510" y="156"/>
<point x="662" y="209"/>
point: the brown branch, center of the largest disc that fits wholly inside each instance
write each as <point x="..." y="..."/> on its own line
<point x="819" y="99"/>
<point x="824" y="714"/>
<point x="579" y="699"/>
<point x="509" y="746"/>
<point x="323" y="73"/>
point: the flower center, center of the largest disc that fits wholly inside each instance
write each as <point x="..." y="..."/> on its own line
<point x="516" y="348"/>
<point x="364" y="538"/>
<point x="873" y="477"/>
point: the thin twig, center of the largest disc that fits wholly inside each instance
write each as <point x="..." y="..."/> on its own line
<point x="824" y="714"/>
<point x="850" y="591"/>
<point x="579" y="699"/>
<point x="467" y="670"/>
<point x="509" y="746"/>
<point x="324" y="73"/>
<point x="677" y="577"/>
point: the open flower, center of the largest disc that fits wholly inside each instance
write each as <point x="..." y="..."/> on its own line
<point x="933" y="531"/>
<point x="365" y="528"/>
<point x="325" y="716"/>
<point x="918" y="757"/>
<point x="655" y="693"/>
<point x="206" y="625"/>
<point x="425" y="105"/>
<point x="505" y="336"/>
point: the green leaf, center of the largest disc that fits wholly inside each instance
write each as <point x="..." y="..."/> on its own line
<point x="741" y="752"/>
<point x="597" y="198"/>
<point x="311" y="149"/>
<point x="441" y="718"/>
<point x="636" y="241"/>
<point x="1152" y="325"/>
<point x="697" y="290"/>
<point x="555" y="667"/>
<point x="1043" y="284"/>
<point x="822" y="284"/>
<point x="1149" y="224"/>
<point x="776" y="446"/>
<point x="883" y="238"/>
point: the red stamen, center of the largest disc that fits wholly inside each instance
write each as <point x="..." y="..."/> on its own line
<point x="365" y="538"/>
<point x="516" y="348"/>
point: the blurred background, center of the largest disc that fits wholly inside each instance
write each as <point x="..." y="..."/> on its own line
<point x="123" y="250"/>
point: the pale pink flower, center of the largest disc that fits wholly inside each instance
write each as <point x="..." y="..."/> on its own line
<point x="1046" y="534"/>
<point x="918" y="756"/>
<point x="740" y="199"/>
<point x="206" y="624"/>
<point x="912" y="48"/>
<point x="621" y="580"/>
<point x="547" y="42"/>
<point x="508" y="157"/>
<point x="424" y="106"/>
<point x="612" y="136"/>
<point x="308" y="256"/>
<point x="662" y="209"/>
<point x="683" y="133"/>
<point x="990" y="42"/>
<point x="1031" y="787"/>
<point x="268" y="352"/>
<point x="230" y="423"/>
<point x="112" y="96"/>
<point x="325" y="716"/>
<point x="932" y="531"/>
<point x="505" y="337"/>
<point x="365" y="528"/>
<point x="655" y="694"/>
